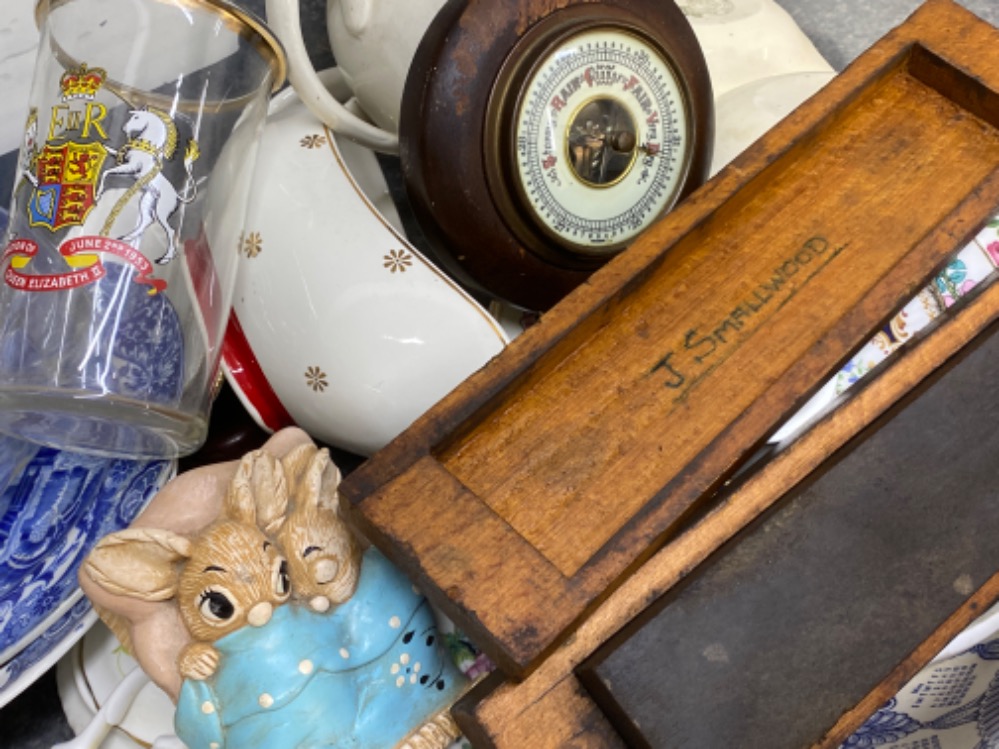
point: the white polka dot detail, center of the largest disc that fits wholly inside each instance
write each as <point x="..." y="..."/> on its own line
<point x="207" y="708"/>
<point x="400" y="681"/>
<point x="395" y="622"/>
<point x="266" y="700"/>
<point x="305" y="667"/>
<point x="344" y="653"/>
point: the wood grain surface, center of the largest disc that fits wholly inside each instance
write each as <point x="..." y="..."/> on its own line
<point x="500" y="713"/>
<point x="803" y="614"/>
<point x="542" y="483"/>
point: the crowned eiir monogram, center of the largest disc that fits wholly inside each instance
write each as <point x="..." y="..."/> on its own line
<point x="65" y="173"/>
<point x="69" y="173"/>
<point x="82" y="83"/>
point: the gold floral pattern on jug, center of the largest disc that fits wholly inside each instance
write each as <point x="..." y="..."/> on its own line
<point x="316" y="379"/>
<point x="313" y="141"/>
<point x="397" y="260"/>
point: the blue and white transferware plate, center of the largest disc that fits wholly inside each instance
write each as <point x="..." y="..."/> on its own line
<point x="54" y="506"/>
<point x="951" y="704"/>
<point x="45" y="651"/>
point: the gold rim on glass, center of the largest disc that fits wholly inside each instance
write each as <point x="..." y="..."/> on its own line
<point x="236" y="19"/>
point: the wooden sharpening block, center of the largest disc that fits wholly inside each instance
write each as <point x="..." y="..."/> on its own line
<point x="544" y="481"/>
<point x="808" y="610"/>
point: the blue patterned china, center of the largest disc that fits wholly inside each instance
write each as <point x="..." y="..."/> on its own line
<point x="21" y="671"/>
<point x="54" y="506"/>
<point x="953" y="703"/>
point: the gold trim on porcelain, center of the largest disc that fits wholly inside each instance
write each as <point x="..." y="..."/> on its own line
<point x="408" y="246"/>
<point x="82" y="666"/>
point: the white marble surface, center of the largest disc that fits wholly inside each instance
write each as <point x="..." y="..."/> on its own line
<point x="18" y="42"/>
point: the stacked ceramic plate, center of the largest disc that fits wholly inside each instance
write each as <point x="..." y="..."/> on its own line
<point x="54" y="506"/>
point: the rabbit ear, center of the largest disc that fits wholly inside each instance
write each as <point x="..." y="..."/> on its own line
<point x="258" y="493"/>
<point x="138" y="563"/>
<point x="296" y="461"/>
<point x="319" y="483"/>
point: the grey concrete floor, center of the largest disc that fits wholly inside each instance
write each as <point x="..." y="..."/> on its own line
<point x="842" y="29"/>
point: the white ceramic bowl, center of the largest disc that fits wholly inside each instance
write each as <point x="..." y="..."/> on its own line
<point x="341" y="326"/>
<point x="88" y="676"/>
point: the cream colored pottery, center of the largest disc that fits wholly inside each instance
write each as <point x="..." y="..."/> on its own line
<point x="749" y="40"/>
<point x="351" y="328"/>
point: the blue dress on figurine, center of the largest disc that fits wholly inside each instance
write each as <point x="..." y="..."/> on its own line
<point x="365" y="674"/>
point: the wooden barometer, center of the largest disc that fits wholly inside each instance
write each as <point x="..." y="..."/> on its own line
<point x="539" y="139"/>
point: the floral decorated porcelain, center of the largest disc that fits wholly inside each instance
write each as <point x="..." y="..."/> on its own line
<point x="953" y="703"/>
<point x="341" y="325"/>
<point x="976" y="263"/>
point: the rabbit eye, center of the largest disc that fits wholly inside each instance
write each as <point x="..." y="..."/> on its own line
<point x="282" y="583"/>
<point x="215" y="606"/>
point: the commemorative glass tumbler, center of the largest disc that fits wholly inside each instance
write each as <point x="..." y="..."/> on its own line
<point x="125" y="222"/>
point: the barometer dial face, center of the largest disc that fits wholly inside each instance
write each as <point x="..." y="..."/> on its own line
<point x="539" y="139"/>
<point x="601" y="140"/>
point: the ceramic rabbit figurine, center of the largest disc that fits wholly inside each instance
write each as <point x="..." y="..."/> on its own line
<point x="297" y="637"/>
<point x="322" y="553"/>
<point x="227" y="577"/>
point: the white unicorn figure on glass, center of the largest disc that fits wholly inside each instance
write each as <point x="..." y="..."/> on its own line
<point x="152" y="140"/>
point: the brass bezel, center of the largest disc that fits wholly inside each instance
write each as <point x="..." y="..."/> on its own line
<point x="501" y="116"/>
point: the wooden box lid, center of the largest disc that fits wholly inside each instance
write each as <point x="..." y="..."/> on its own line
<point x="546" y="479"/>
